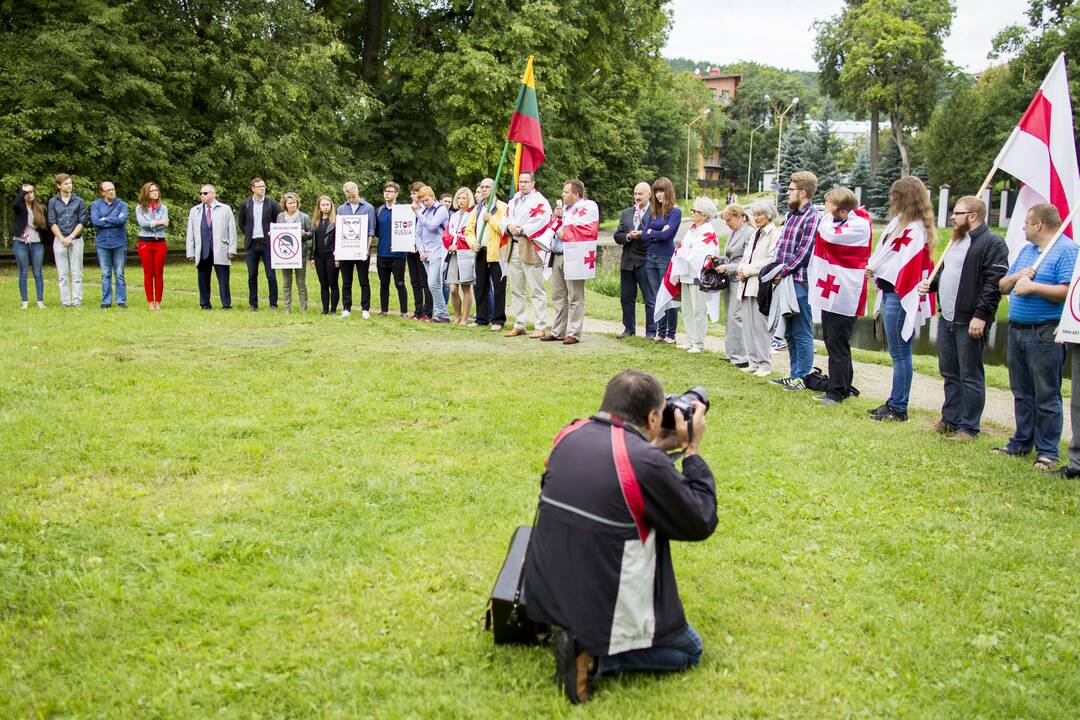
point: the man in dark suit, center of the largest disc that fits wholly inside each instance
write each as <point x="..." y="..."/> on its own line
<point x="254" y="218"/>
<point x="632" y="267"/>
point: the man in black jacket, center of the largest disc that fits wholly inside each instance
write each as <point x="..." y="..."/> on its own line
<point x="632" y="266"/>
<point x="968" y="297"/>
<point x="599" y="566"/>
<point x="254" y="218"/>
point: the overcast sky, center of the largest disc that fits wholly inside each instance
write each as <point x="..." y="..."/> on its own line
<point x="777" y="32"/>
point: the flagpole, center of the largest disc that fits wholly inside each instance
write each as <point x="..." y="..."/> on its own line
<point x="1060" y="232"/>
<point x="481" y="224"/>
<point x="982" y="188"/>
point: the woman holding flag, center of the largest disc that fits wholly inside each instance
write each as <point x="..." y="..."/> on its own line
<point x="699" y="243"/>
<point x="902" y="260"/>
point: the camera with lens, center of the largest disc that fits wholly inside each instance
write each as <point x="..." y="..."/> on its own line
<point x="683" y="404"/>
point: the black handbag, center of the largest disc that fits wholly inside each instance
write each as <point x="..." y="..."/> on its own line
<point x="506" y="616"/>
<point x="711" y="279"/>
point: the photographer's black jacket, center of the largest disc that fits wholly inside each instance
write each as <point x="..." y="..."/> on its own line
<point x="986" y="262"/>
<point x="588" y="569"/>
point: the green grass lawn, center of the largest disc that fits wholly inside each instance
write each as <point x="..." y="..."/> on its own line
<point x="264" y="515"/>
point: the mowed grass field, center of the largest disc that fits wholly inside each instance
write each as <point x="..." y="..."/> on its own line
<point x="265" y="515"/>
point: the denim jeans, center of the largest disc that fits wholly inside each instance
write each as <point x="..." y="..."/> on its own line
<point x="655" y="267"/>
<point x="683" y="653"/>
<point x="111" y="262"/>
<point x="629" y="282"/>
<point x="960" y="361"/>
<point x="893" y="317"/>
<point x="1035" y="366"/>
<point x="434" y="267"/>
<point x="799" y="333"/>
<point x="30" y="256"/>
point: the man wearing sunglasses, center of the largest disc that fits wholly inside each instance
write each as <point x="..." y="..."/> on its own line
<point x="211" y="243"/>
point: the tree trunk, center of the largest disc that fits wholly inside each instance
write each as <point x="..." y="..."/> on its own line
<point x="897" y="121"/>
<point x="875" y="142"/>
<point x="373" y="40"/>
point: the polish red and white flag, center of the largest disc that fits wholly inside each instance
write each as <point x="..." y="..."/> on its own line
<point x="902" y="259"/>
<point x="836" y="275"/>
<point x="1041" y="153"/>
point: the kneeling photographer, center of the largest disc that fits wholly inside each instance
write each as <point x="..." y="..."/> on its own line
<point x="599" y="566"/>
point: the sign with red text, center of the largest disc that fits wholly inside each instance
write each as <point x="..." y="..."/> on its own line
<point x="286" y="246"/>
<point x="403" y="228"/>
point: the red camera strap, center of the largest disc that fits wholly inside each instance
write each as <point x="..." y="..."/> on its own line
<point x="631" y="490"/>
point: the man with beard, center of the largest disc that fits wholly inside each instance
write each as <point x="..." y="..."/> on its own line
<point x="968" y="297"/>
<point x="793" y="252"/>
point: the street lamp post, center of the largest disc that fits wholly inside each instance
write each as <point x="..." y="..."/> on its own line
<point x="750" y="162"/>
<point x="686" y="191"/>
<point x="780" y="135"/>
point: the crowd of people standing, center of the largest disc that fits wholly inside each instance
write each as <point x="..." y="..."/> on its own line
<point x="470" y="246"/>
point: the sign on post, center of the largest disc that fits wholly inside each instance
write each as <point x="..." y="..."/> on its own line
<point x="403" y="228"/>
<point x="351" y="240"/>
<point x="286" y="246"/>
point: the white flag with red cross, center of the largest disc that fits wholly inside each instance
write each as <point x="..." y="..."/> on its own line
<point x="580" y="227"/>
<point x="902" y="259"/>
<point x="836" y="275"/>
<point x="1041" y="153"/>
<point x="667" y="297"/>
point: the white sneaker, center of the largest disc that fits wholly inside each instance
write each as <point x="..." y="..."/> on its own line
<point x="345" y="313"/>
<point x="763" y="373"/>
<point x="684" y="346"/>
<point x="25" y="305"/>
<point x="694" y="350"/>
<point x="749" y="369"/>
<point x="366" y="315"/>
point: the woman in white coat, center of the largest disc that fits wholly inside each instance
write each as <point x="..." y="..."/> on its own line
<point x="699" y="243"/>
<point x="760" y="251"/>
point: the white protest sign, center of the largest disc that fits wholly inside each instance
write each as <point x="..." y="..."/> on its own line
<point x="286" y="246"/>
<point x="351" y="238"/>
<point x="403" y="232"/>
<point x="1069" y="328"/>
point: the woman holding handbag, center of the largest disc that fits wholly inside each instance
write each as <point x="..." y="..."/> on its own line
<point x="461" y="260"/>
<point x="698" y="244"/>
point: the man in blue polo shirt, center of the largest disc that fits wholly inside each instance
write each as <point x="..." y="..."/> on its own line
<point x="1035" y="360"/>
<point x="389" y="263"/>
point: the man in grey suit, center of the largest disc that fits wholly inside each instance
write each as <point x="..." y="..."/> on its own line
<point x="632" y="266"/>
<point x="211" y="243"/>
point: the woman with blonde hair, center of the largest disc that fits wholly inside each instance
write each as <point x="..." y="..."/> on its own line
<point x="739" y="224"/>
<point x="461" y="261"/>
<point x="324" y="229"/>
<point x="760" y="251"/>
<point x="292" y="213"/>
<point x="902" y="260"/>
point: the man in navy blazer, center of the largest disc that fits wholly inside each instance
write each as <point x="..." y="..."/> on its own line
<point x="632" y="265"/>
<point x="254" y="218"/>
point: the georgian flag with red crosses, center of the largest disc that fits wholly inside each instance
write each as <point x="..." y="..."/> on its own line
<point x="580" y="227"/>
<point x="903" y="259"/>
<point x="836" y="276"/>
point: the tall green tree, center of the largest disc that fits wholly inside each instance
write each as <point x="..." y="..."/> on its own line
<point x="887" y="55"/>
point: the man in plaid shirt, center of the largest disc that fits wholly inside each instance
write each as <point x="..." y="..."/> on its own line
<point x="793" y="251"/>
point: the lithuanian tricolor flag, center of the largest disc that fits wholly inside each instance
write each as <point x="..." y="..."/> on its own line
<point x="525" y="127"/>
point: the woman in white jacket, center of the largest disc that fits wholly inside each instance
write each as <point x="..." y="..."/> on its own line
<point x="699" y="243"/>
<point x="760" y="251"/>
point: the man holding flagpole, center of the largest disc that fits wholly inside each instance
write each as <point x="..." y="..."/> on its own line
<point x="492" y="253"/>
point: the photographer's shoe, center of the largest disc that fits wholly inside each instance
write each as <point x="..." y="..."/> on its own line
<point x="572" y="665"/>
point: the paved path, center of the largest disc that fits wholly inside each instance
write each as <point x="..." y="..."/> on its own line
<point x="873" y="381"/>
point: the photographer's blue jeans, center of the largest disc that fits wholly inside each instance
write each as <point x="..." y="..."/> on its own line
<point x="892" y="317"/>
<point x="682" y="654"/>
<point x="1035" y="366"/>
<point x="799" y="333"/>
<point x="30" y="257"/>
<point x="655" y="267"/>
<point x="111" y="261"/>
<point x="960" y="361"/>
